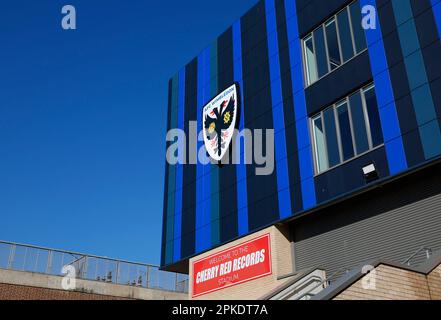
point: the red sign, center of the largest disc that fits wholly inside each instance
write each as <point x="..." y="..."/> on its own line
<point x="241" y="263"/>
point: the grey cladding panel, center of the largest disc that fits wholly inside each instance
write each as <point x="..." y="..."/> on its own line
<point x="391" y="222"/>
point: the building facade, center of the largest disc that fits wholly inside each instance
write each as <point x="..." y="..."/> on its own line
<point x="352" y="90"/>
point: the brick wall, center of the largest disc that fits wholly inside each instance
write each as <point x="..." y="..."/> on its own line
<point x="17" y="292"/>
<point x="434" y="281"/>
<point x="282" y="264"/>
<point x="28" y="285"/>
<point x="390" y="284"/>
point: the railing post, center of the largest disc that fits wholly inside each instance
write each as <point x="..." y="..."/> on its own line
<point x="49" y="262"/>
<point x="36" y="261"/>
<point x="428" y="253"/>
<point x="11" y="256"/>
<point x="147" y="284"/>
<point x="96" y="269"/>
<point x="117" y="272"/>
<point x="62" y="262"/>
<point x="24" y="260"/>
<point x="86" y="265"/>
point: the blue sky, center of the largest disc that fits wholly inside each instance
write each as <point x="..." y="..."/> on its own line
<point x="83" y="117"/>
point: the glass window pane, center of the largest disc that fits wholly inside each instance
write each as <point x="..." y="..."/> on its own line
<point x="331" y="137"/>
<point x="357" y="29"/>
<point x="345" y="131"/>
<point x="374" y="117"/>
<point x="319" y="143"/>
<point x="311" y="69"/>
<point x="358" y="123"/>
<point x="320" y="49"/>
<point x="333" y="48"/>
<point x="344" y="30"/>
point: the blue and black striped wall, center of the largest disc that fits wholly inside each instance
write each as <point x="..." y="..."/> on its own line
<point x="205" y="206"/>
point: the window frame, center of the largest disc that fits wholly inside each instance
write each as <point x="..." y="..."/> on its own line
<point x="314" y="137"/>
<point x="340" y="104"/>
<point x="306" y="64"/>
<point x="354" y="51"/>
<point x="334" y="106"/>
<point x="337" y="31"/>
<point x="368" y="120"/>
<point x="325" y="43"/>
<point x="354" y="47"/>
<point x="310" y="34"/>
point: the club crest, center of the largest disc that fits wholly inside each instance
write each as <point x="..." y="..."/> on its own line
<point x="219" y="119"/>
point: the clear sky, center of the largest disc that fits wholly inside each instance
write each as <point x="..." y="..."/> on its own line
<point x="83" y="118"/>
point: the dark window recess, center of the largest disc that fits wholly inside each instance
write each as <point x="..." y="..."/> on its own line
<point x="344" y="29"/>
<point x="322" y="60"/>
<point x="373" y="116"/>
<point x="331" y="137"/>
<point x="333" y="46"/>
<point x="359" y="123"/>
<point x="345" y="131"/>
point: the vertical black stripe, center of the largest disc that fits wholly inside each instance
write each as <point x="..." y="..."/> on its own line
<point x="262" y="190"/>
<point x="165" y="204"/>
<point x="288" y="109"/>
<point x="189" y="174"/>
<point x="405" y="110"/>
<point x="227" y="173"/>
<point x="431" y="46"/>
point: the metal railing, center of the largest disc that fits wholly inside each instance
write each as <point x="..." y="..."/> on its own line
<point x="21" y="257"/>
<point x="427" y="251"/>
<point x="324" y="283"/>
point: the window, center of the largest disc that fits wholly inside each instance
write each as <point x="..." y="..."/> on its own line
<point x="333" y="47"/>
<point x="344" y="29"/>
<point x="320" y="150"/>
<point x="322" y="59"/>
<point x="311" y="69"/>
<point x="373" y="115"/>
<point x="333" y="43"/>
<point x="357" y="28"/>
<point x="331" y="137"/>
<point x="358" y="121"/>
<point x="347" y="129"/>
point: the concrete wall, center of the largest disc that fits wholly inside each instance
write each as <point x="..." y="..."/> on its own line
<point x="282" y="264"/>
<point x="28" y="285"/>
<point x="393" y="283"/>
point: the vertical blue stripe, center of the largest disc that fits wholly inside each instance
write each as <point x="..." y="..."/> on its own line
<point x="214" y="169"/>
<point x="436" y="7"/>
<point x="207" y="168"/>
<point x="203" y="230"/>
<point x="171" y="179"/>
<point x="199" y="238"/>
<point x="206" y="95"/>
<point x="284" y="195"/>
<point x="179" y="172"/>
<point x="241" y="173"/>
<point x="385" y="97"/>
<point x="303" y="138"/>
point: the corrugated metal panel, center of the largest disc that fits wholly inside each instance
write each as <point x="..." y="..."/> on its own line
<point x="388" y="223"/>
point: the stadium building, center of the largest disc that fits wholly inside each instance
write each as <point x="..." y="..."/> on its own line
<point x="352" y="90"/>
